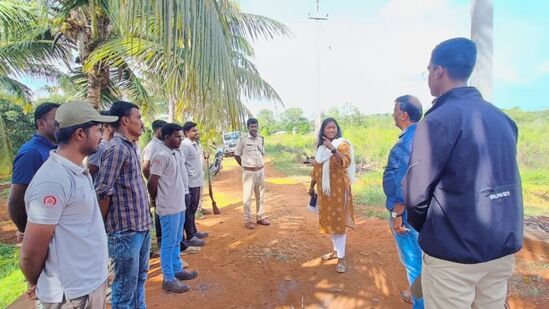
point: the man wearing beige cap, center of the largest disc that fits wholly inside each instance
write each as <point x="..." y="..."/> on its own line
<point x="64" y="251"/>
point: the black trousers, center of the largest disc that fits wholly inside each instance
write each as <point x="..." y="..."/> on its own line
<point x="158" y="228"/>
<point x="190" y="212"/>
<point x="184" y="244"/>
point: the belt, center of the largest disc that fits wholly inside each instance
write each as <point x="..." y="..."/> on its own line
<point x="252" y="168"/>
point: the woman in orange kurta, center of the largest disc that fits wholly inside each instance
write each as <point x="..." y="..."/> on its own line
<point x="333" y="173"/>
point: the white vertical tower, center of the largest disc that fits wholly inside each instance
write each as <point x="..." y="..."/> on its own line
<point x="482" y="33"/>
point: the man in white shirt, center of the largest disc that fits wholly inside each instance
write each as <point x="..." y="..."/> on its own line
<point x="194" y="156"/>
<point x="148" y="152"/>
<point x="64" y="251"/>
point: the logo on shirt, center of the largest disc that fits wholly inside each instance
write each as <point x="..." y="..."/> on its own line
<point x="49" y="201"/>
<point x="156" y="162"/>
<point x="498" y="195"/>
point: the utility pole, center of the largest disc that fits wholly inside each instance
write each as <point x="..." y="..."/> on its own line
<point x="317" y="18"/>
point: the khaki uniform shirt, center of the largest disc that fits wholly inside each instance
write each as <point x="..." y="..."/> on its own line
<point x="251" y="151"/>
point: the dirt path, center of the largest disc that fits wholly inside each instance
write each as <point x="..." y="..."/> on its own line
<point x="279" y="266"/>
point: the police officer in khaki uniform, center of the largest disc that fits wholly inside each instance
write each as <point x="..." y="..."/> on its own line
<point x="249" y="154"/>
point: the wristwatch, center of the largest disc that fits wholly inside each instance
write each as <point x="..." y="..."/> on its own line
<point x="396" y="214"/>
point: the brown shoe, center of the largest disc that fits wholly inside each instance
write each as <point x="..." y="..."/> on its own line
<point x="175" y="286"/>
<point x="406" y="296"/>
<point x="250" y="225"/>
<point x="263" y="222"/>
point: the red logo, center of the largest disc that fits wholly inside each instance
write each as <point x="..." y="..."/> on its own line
<point x="156" y="162"/>
<point x="49" y="201"/>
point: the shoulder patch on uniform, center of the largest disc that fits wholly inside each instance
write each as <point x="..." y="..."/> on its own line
<point x="49" y="201"/>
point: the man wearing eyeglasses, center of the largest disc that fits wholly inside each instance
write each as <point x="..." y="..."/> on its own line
<point x="462" y="189"/>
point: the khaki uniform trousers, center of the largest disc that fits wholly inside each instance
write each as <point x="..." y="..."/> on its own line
<point x="253" y="182"/>
<point x="95" y="300"/>
<point x="458" y="286"/>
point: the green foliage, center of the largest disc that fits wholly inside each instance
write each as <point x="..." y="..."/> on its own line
<point x="12" y="282"/>
<point x="19" y="126"/>
<point x="292" y="120"/>
<point x="15" y="129"/>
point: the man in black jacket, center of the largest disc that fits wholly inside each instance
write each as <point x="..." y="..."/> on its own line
<point x="462" y="189"/>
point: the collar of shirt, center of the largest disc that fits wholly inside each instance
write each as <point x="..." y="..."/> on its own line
<point x="157" y="140"/>
<point x="39" y="138"/>
<point x="168" y="149"/>
<point x="408" y="129"/>
<point x="116" y="134"/>
<point x="77" y="169"/>
<point x="250" y="136"/>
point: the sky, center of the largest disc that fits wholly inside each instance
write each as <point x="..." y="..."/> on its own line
<point x="370" y="52"/>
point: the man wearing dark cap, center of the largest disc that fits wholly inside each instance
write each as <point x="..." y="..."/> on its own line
<point x="463" y="190"/>
<point x="29" y="159"/>
<point x="64" y="252"/>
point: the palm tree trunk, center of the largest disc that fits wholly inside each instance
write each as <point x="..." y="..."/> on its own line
<point x="482" y="33"/>
<point x="171" y="109"/>
<point x="94" y="90"/>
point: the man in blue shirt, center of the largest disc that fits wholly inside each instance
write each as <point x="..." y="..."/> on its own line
<point x="29" y="159"/>
<point x="407" y="112"/>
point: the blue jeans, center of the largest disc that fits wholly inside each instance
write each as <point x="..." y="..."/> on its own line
<point x="410" y="255"/>
<point x="129" y="251"/>
<point x="172" y="233"/>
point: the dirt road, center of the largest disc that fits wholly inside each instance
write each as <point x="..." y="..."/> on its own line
<point x="279" y="266"/>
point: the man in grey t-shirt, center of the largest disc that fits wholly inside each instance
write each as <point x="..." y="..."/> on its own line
<point x="167" y="188"/>
<point x="64" y="252"/>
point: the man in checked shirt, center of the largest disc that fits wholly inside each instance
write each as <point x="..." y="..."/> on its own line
<point x="124" y="204"/>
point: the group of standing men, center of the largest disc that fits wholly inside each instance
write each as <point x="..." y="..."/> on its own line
<point x="452" y="184"/>
<point x="73" y="219"/>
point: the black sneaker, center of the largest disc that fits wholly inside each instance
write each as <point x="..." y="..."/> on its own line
<point x="202" y="235"/>
<point x="186" y="275"/>
<point x="196" y="242"/>
<point x="175" y="286"/>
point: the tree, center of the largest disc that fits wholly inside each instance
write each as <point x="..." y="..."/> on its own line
<point x="267" y="122"/>
<point x="292" y="120"/>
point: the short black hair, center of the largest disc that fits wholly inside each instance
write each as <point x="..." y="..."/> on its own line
<point x="63" y="135"/>
<point x="106" y="113"/>
<point x="169" y="128"/>
<point x="251" y="121"/>
<point x="412" y="107"/>
<point x="121" y="109"/>
<point x="42" y="109"/>
<point x="158" y="124"/>
<point x="457" y="55"/>
<point x="339" y="134"/>
<point x="188" y="126"/>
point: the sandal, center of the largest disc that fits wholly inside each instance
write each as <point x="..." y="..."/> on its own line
<point x="329" y="256"/>
<point x="341" y="266"/>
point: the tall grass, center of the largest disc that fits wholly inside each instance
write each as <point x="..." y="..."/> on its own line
<point x="12" y="282"/>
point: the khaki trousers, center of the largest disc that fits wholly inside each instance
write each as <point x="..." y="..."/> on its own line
<point x="459" y="286"/>
<point x="253" y="182"/>
<point x="95" y="300"/>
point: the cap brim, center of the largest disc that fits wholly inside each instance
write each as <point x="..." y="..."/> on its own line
<point x="102" y="118"/>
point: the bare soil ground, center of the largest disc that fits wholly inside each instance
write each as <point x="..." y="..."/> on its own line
<point x="279" y="266"/>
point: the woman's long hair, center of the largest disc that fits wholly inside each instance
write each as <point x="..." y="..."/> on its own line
<point x="323" y="125"/>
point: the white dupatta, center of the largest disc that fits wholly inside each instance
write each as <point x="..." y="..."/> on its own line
<point x="323" y="155"/>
